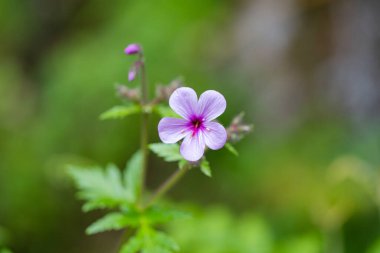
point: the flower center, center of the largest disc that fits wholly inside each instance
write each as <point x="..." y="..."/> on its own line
<point x="197" y="124"/>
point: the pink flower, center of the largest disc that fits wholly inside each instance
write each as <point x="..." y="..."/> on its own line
<point x="132" y="49"/>
<point x="197" y="127"/>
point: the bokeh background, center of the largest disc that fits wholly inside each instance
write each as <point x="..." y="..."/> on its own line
<point x="306" y="73"/>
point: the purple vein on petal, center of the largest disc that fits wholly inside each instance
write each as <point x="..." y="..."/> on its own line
<point x="215" y="135"/>
<point x="184" y="102"/>
<point x="171" y="130"/>
<point x="211" y="105"/>
<point x="193" y="147"/>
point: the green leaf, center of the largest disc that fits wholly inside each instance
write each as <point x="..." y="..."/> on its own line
<point x="113" y="221"/>
<point x="147" y="240"/>
<point x="231" y="148"/>
<point x="5" y="250"/>
<point x="165" y="242"/>
<point x="133" y="175"/>
<point x="120" y="111"/>
<point x="102" y="203"/>
<point x="205" y="167"/>
<point x="159" y="215"/>
<point x="100" y="188"/>
<point x="133" y="245"/>
<point x="165" y="111"/>
<point x="169" y="152"/>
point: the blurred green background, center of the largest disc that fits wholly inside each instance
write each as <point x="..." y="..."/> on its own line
<point x="305" y="72"/>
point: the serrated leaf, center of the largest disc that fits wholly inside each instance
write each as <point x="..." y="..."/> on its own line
<point x="148" y="240"/>
<point x="113" y="221"/>
<point x="100" y="188"/>
<point x="103" y="203"/>
<point x="114" y="179"/>
<point x="133" y="175"/>
<point x="159" y="215"/>
<point x="158" y="242"/>
<point x="165" y="111"/>
<point x="169" y="152"/>
<point x="205" y="167"/>
<point x="166" y="242"/>
<point x="97" y="204"/>
<point x="133" y="245"/>
<point x="120" y="111"/>
<point x="231" y="148"/>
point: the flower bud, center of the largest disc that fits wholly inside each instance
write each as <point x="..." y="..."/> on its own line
<point x="163" y="92"/>
<point x="128" y="93"/>
<point x="132" y="49"/>
<point x="237" y="129"/>
<point x="132" y="73"/>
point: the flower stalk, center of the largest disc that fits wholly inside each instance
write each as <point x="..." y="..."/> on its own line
<point x="167" y="185"/>
<point x="144" y="101"/>
<point x="144" y="125"/>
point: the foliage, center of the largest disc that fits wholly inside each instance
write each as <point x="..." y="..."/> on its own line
<point x="225" y="233"/>
<point x="161" y="215"/>
<point x="148" y="240"/>
<point x="171" y="153"/>
<point x="112" y="189"/>
<point x="231" y="148"/>
<point x="205" y="167"/>
<point x="114" y="221"/>
<point x="120" y="111"/>
<point x="228" y="232"/>
<point x="132" y="176"/>
<point x="101" y="189"/>
<point x="165" y="111"/>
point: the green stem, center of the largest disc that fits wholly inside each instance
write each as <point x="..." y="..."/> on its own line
<point x="144" y="126"/>
<point x="167" y="185"/>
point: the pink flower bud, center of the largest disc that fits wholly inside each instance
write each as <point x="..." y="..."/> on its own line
<point x="132" y="73"/>
<point x="132" y="49"/>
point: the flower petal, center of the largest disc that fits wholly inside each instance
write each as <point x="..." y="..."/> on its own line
<point x="211" y="105"/>
<point x="172" y="130"/>
<point x="193" y="147"/>
<point x="215" y="135"/>
<point x="184" y="102"/>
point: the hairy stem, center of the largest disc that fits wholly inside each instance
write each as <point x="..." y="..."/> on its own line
<point x="144" y="126"/>
<point x="167" y="185"/>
